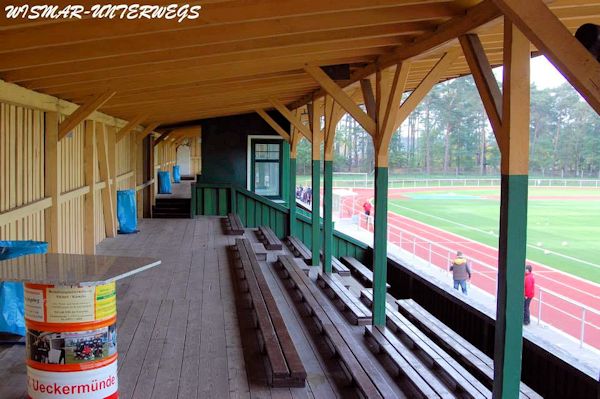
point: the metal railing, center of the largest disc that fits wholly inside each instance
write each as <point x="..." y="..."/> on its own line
<point x="572" y="317"/>
<point x="464" y="182"/>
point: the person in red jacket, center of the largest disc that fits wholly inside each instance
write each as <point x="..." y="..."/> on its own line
<point x="367" y="207"/>
<point x="529" y="292"/>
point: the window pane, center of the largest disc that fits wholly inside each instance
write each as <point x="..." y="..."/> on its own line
<point x="274" y="147"/>
<point x="266" y="179"/>
<point x="261" y="147"/>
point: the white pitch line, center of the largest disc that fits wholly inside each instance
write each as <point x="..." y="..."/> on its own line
<point x="485" y="245"/>
<point x="495" y="235"/>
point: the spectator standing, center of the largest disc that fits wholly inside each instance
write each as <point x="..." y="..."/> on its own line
<point x="529" y="293"/>
<point x="367" y="207"/>
<point x="461" y="272"/>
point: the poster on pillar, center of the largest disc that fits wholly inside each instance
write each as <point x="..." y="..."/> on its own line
<point x="47" y="304"/>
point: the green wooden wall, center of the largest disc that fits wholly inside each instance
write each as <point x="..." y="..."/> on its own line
<point x="255" y="210"/>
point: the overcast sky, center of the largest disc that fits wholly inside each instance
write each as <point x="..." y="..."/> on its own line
<point x="543" y="73"/>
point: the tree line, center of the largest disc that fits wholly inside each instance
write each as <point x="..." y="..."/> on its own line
<point x="449" y="134"/>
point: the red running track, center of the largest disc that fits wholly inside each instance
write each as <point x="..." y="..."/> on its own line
<point x="556" y="311"/>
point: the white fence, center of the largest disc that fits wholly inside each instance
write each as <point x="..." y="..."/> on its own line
<point x="466" y="182"/>
<point x="551" y="308"/>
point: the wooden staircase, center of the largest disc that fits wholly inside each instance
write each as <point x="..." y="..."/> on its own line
<point x="171" y="208"/>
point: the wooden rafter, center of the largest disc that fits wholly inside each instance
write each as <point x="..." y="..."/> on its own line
<point x="425" y="86"/>
<point x="369" y="98"/>
<point x="162" y="137"/>
<point x="130" y="126"/>
<point x="550" y="36"/>
<point x="485" y="81"/>
<point x="473" y="18"/>
<point x="83" y="112"/>
<point x="292" y="118"/>
<point x="342" y="98"/>
<point x="390" y="107"/>
<point x="273" y="124"/>
<point x="147" y="130"/>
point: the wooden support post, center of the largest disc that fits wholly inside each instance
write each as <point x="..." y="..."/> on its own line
<point x="333" y="114"/>
<point x="52" y="182"/>
<point x="90" y="161"/>
<point x="389" y="89"/>
<point x="543" y="28"/>
<point x="112" y="160"/>
<point x="513" y="214"/>
<point x="83" y="112"/>
<point x="293" y="164"/>
<point x="104" y="168"/>
<point x="315" y="125"/>
<point x="139" y="173"/>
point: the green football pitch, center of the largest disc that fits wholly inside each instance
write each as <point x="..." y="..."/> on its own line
<point x="563" y="224"/>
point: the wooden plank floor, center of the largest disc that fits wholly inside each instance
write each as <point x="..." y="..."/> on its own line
<point x="178" y="324"/>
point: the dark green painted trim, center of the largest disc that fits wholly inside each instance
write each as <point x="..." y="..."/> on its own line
<point x="292" y="197"/>
<point x="316" y="219"/>
<point x="327" y="215"/>
<point x="511" y="275"/>
<point x="380" y="246"/>
<point x="286" y="187"/>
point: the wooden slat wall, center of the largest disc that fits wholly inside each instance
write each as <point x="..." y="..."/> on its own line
<point x="21" y="169"/>
<point x="70" y="157"/>
<point x="22" y="179"/>
<point x="165" y="156"/>
<point x="196" y="156"/>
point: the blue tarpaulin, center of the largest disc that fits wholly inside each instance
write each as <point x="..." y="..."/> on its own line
<point x="164" y="182"/>
<point x="176" y="174"/>
<point x="12" y="308"/>
<point x="126" y="211"/>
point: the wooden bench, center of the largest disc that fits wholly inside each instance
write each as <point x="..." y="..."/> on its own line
<point x="350" y="305"/>
<point x="284" y="366"/>
<point x="337" y="266"/>
<point x="269" y="239"/>
<point x="233" y="225"/>
<point x="466" y="354"/>
<point x="357" y="367"/>
<point x="260" y="251"/>
<point x="299" y="249"/>
<point x="361" y="272"/>
<point x="441" y="371"/>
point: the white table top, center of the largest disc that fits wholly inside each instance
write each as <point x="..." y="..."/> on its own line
<point x="72" y="270"/>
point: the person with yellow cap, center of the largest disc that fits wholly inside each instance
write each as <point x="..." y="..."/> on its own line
<point x="461" y="272"/>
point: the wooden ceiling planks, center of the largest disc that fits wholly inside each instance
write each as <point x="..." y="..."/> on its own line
<point x="239" y="53"/>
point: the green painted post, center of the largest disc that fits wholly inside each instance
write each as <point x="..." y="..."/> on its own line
<point x="511" y="276"/>
<point x="316" y="205"/>
<point x="327" y="215"/>
<point x="292" y="197"/>
<point x="380" y="245"/>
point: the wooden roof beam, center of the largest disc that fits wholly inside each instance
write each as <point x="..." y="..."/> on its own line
<point x="389" y="107"/>
<point x="273" y="124"/>
<point x="473" y="18"/>
<point x="550" y="36"/>
<point x="342" y="98"/>
<point x="417" y="95"/>
<point x="486" y="83"/>
<point x="130" y="126"/>
<point x="292" y="118"/>
<point x="83" y="112"/>
<point x="162" y="137"/>
<point x="147" y="131"/>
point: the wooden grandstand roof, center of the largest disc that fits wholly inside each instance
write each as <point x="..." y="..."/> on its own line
<point x="241" y="53"/>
